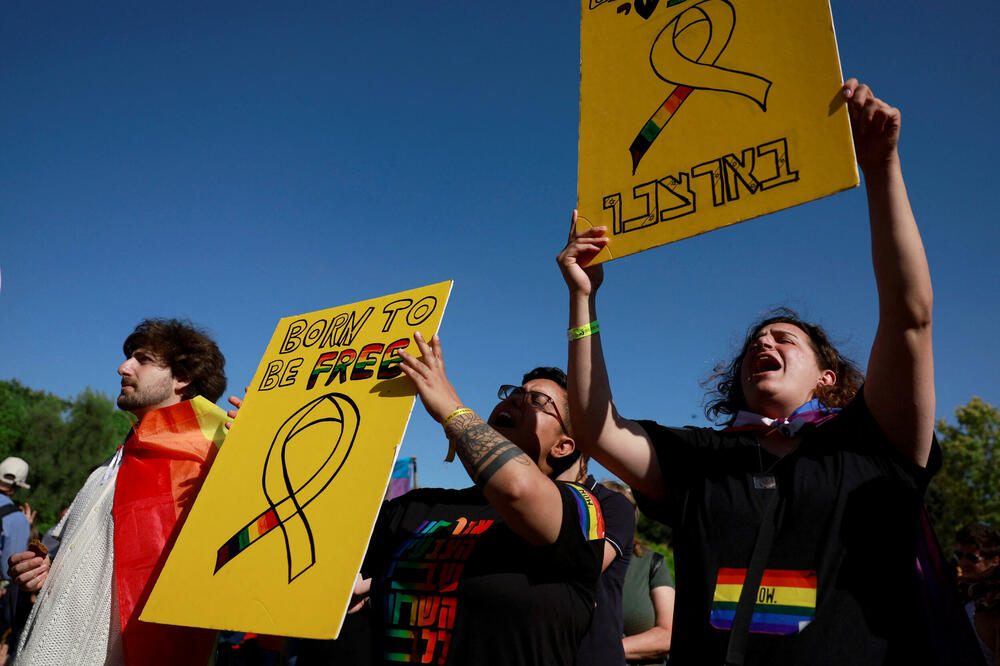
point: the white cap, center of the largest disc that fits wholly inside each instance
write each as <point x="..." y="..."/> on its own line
<point x="14" y="472"/>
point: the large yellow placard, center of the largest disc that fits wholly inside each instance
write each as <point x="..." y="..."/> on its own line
<point x="280" y="527"/>
<point x="697" y="114"/>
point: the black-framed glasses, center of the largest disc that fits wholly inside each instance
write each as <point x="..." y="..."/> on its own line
<point x="536" y="399"/>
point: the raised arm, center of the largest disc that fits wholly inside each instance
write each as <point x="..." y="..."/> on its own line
<point x="528" y="501"/>
<point x="899" y="383"/>
<point x="617" y="443"/>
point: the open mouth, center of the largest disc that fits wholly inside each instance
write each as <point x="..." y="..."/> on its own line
<point x="766" y="363"/>
<point x="503" y="420"/>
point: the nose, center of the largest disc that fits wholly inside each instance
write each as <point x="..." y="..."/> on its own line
<point x="125" y="368"/>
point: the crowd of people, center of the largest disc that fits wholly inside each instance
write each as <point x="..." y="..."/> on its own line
<point x="795" y="526"/>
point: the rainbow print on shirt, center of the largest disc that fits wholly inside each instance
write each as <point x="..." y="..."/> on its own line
<point x="786" y="600"/>
<point x="588" y="511"/>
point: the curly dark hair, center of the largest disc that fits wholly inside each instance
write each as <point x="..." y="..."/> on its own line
<point x="725" y="397"/>
<point x="191" y="354"/>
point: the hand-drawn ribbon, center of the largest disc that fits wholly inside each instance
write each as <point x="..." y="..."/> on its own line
<point x="700" y="73"/>
<point x="308" y="429"/>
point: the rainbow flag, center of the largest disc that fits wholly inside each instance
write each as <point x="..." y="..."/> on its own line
<point x="786" y="600"/>
<point x="403" y="478"/>
<point x="589" y="511"/>
<point x="164" y="462"/>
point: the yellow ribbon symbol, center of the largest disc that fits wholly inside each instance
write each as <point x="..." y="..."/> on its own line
<point x="688" y="62"/>
<point x="307" y="452"/>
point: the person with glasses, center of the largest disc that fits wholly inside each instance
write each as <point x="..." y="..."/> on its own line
<point x="795" y="528"/>
<point x="977" y="553"/>
<point x="503" y="572"/>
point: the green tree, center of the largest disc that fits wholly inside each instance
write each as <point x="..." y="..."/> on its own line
<point x="967" y="488"/>
<point x="62" y="441"/>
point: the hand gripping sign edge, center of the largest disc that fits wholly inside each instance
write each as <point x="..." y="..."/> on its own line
<point x="288" y="511"/>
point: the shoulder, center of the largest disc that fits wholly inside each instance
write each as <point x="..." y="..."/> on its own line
<point x="582" y="507"/>
<point x="619" y="516"/>
<point x="689" y="436"/>
<point x="854" y="431"/>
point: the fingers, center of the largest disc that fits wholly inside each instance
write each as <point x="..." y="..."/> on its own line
<point x="28" y="570"/>
<point x="236" y="402"/>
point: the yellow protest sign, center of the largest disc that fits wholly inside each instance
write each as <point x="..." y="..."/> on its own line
<point x="697" y="114"/>
<point x="280" y="527"/>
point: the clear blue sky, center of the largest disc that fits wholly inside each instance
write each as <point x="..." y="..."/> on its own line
<point x="234" y="163"/>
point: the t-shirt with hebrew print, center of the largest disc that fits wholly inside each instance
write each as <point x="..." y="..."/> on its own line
<point x="454" y="585"/>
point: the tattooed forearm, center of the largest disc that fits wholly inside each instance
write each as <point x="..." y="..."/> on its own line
<point x="482" y="449"/>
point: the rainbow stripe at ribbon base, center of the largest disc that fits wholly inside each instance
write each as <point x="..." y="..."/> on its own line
<point x="656" y="123"/>
<point x="786" y="600"/>
<point x="263" y="524"/>
<point x="589" y="511"/>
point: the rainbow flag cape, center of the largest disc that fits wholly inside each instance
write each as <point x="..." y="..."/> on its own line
<point x="786" y="600"/>
<point x="164" y="462"/>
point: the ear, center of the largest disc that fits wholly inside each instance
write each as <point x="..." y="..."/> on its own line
<point x="180" y="385"/>
<point x="827" y="378"/>
<point x="562" y="448"/>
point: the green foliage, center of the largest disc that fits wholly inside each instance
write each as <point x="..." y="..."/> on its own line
<point x="967" y="488"/>
<point x="62" y="441"/>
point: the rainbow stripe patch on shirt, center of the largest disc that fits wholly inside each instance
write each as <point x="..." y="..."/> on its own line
<point x="591" y="518"/>
<point x="786" y="600"/>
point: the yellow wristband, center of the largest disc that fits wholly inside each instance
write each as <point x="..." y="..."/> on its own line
<point x="444" y="424"/>
<point x="583" y="331"/>
<point x="457" y="412"/>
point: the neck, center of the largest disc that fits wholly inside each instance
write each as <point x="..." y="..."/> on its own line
<point x="573" y="473"/>
<point x="778" y="445"/>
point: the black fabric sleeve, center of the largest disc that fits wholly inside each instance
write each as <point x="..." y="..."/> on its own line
<point x="579" y="548"/>
<point x="857" y="413"/>
<point x="619" y="522"/>
<point x="679" y="452"/>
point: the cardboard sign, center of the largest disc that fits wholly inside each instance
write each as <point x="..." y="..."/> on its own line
<point x="697" y="114"/>
<point x="278" y="532"/>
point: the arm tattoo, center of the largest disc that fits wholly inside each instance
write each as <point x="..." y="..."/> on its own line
<point x="482" y="449"/>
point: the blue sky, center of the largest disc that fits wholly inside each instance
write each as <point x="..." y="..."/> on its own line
<point x="234" y="163"/>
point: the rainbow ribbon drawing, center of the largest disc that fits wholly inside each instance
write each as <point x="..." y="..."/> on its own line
<point x="699" y="73"/>
<point x="293" y="477"/>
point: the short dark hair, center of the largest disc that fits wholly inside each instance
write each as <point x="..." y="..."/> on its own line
<point x="189" y="352"/>
<point x="725" y="397"/>
<point x="546" y="372"/>
<point x="559" y="377"/>
<point x="982" y="536"/>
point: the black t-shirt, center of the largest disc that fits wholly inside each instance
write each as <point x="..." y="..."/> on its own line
<point x="840" y="586"/>
<point x="602" y="644"/>
<point x="454" y="585"/>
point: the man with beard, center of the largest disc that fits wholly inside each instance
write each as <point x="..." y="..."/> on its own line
<point x="129" y="511"/>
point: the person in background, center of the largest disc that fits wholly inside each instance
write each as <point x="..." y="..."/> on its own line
<point x="977" y="550"/>
<point x="15" y="530"/>
<point x="16" y="527"/>
<point x="647" y="600"/>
